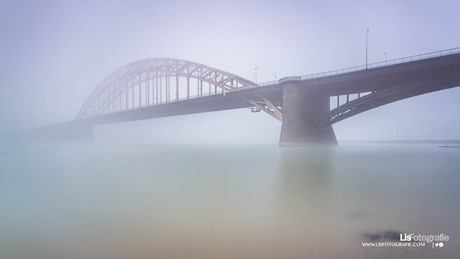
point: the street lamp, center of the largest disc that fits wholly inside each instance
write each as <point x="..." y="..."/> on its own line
<point x="367" y="31"/>
<point x="256" y="73"/>
<point x="385" y="58"/>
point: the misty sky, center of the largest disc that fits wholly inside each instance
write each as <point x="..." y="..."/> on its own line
<point x="54" y="53"/>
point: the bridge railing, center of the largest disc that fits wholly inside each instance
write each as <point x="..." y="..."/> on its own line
<point x="415" y="58"/>
<point x="220" y="92"/>
<point x="374" y="65"/>
<point x="274" y="82"/>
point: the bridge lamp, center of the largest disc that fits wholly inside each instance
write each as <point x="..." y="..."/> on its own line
<point x="367" y="31"/>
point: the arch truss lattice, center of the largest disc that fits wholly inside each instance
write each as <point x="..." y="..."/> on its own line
<point x="157" y="81"/>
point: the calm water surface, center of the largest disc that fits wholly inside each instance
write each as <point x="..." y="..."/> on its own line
<point x="134" y="201"/>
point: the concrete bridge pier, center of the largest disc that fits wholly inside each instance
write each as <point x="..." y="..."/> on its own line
<point x="302" y="108"/>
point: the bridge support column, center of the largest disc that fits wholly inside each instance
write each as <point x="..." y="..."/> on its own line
<point x="302" y="109"/>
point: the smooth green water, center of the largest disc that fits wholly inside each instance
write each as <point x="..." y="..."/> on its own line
<point x="134" y="201"/>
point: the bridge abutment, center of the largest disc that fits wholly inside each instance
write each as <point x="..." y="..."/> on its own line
<point x="302" y="109"/>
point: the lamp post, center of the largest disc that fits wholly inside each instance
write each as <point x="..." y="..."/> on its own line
<point x="256" y="73"/>
<point x="385" y="58"/>
<point x="367" y="31"/>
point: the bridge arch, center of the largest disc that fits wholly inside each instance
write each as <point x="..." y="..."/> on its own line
<point x="157" y="81"/>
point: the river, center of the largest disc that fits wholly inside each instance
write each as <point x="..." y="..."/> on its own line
<point x="160" y="201"/>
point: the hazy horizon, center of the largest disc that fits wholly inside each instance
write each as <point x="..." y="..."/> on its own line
<point x="56" y="52"/>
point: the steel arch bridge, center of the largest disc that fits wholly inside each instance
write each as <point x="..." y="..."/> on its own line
<point x="157" y="81"/>
<point x="307" y="106"/>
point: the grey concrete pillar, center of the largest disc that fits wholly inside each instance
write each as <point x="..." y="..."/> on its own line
<point x="302" y="108"/>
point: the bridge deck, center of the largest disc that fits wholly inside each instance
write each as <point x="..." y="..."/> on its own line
<point x="443" y="71"/>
